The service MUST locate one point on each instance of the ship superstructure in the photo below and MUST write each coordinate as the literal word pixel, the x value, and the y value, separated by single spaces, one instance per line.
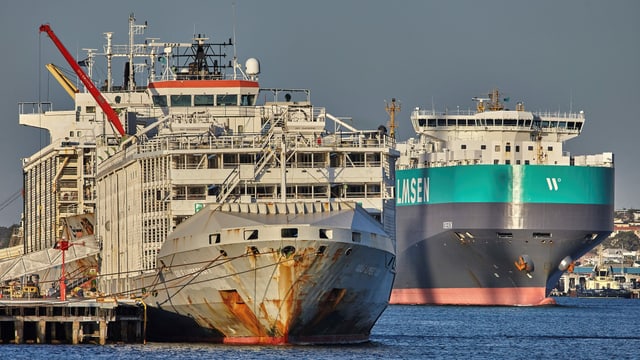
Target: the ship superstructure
pixel 221 195
pixel 491 210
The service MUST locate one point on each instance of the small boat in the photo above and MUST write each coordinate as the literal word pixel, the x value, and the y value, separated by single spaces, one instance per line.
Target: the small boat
pixel 602 283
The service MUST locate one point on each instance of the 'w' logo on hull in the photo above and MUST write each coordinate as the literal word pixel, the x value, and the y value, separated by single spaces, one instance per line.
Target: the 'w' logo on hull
pixel 553 183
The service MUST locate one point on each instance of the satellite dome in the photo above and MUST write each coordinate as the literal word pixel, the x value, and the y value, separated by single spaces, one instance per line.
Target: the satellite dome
pixel 253 66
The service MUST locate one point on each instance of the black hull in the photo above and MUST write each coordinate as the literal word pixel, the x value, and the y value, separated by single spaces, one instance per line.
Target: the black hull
pixel 449 251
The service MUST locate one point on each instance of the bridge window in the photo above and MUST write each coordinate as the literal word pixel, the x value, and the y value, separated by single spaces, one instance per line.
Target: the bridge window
pixel 180 100
pixel 247 100
pixel 489 122
pixel 451 122
pixel 510 122
pixel 431 123
pixel 159 100
pixel 203 100
pixel 442 122
pixel 422 122
pixel 227 100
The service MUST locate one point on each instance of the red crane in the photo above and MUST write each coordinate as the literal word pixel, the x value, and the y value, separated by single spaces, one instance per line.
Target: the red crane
pixel 106 108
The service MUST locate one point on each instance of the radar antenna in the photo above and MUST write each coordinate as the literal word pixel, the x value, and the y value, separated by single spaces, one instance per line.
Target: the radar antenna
pixel 493 100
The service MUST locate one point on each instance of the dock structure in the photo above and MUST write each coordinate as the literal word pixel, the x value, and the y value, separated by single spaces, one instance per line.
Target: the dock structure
pixel 51 321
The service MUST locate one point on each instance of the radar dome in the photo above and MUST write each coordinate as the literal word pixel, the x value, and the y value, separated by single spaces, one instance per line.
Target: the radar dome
pixel 253 66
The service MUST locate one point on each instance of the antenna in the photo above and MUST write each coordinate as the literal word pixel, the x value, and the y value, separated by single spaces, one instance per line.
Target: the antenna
pixel 570 101
pixel 235 58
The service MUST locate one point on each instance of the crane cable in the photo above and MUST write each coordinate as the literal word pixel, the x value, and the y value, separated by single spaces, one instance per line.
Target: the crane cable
pixel 15 196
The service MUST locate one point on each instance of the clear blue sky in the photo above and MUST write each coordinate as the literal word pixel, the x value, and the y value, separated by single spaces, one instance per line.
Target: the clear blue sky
pixel 354 55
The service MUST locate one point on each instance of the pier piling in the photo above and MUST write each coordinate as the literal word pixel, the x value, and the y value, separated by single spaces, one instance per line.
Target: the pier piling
pixel 75 322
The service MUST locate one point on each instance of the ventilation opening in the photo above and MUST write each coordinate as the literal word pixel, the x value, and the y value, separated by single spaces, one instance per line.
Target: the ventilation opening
pixel 214 238
pixel 251 234
pixel 326 234
pixel 289 232
pixel 541 235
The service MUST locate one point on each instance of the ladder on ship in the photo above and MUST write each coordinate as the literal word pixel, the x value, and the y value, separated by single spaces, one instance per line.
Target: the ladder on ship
pixel 268 145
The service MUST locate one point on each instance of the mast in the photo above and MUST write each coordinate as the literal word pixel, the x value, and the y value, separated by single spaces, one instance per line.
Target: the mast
pixel 391 110
pixel 134 50
pixel 109 36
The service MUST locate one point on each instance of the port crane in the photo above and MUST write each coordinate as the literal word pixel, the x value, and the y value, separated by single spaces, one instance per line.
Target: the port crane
pixel 112 116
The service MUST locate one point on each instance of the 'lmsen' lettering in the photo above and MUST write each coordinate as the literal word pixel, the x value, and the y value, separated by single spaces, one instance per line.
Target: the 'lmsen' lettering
pixel 412 191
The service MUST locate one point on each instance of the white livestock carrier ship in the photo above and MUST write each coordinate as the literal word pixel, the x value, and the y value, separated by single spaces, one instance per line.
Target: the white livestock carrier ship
pixel 237 214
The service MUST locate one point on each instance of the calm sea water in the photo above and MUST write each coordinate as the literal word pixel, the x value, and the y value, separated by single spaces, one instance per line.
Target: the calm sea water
pixel 576 329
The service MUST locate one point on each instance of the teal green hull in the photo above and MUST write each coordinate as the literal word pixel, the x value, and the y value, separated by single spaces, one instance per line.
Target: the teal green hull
pixel 505 184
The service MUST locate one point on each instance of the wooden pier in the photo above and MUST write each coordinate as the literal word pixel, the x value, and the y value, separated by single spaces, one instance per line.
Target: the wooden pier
pixel 50 321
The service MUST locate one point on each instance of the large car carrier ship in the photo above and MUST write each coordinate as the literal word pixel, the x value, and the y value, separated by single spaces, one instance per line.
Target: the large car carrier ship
pixel 491 210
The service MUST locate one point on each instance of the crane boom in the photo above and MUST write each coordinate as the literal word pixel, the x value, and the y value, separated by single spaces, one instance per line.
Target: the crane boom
pixel 104 105
pixel 64 81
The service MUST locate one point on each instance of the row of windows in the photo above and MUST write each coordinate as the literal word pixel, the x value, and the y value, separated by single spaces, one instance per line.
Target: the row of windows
pixel 570 125
pixel 204 100
pixel 287 233
pixel 300 160
pixel 507 148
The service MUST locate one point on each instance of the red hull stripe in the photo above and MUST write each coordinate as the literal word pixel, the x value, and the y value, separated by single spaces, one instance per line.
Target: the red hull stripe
pixel 282 340
pixel 255 340
pixel 529 296
pixel 203 84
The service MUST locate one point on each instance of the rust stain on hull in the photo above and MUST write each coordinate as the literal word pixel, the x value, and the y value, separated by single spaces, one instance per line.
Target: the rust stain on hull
pixel 271 297
pixel 236 306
